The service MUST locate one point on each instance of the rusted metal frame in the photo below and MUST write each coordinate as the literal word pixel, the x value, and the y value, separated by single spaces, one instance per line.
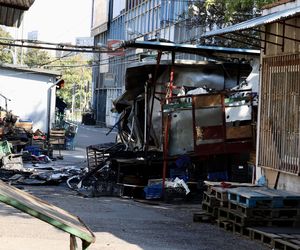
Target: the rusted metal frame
pixel 298 116
pixel 289 88
pixel 263 126
pixel 194 123
pixel 166 132
pixel 286 122
pixel 295 89
pixel 261 131
pixel 240 41
pixel 293 134
pixel 280 132
pixel 158 58
pixel 166 128
pixel 224 116
pixel 274 34
pixel 209 94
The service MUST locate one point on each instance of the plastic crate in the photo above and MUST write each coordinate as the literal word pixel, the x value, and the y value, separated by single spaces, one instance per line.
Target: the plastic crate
pixel 153 191
pixel 70 144
pixel 34 150
pixel 5 148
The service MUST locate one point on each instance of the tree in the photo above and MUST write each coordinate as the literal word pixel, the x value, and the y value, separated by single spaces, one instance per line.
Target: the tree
pixel 5 55
pixel 36 57
pixel 211 14
pixel 76 74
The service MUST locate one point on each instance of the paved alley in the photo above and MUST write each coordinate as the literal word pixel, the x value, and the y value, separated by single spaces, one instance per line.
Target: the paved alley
pixel 119 224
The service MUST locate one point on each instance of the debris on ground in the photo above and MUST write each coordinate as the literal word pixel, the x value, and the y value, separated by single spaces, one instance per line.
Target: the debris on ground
pixel 30 169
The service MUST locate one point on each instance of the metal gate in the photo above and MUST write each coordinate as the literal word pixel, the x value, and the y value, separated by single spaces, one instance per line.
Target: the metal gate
pixel 279 147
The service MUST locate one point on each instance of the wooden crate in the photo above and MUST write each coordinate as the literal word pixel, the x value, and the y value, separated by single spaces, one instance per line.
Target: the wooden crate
pixel 24 125
pixel 57 137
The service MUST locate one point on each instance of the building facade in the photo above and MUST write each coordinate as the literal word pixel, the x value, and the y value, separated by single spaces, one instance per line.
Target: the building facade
pixel 29 93
pixel 114 20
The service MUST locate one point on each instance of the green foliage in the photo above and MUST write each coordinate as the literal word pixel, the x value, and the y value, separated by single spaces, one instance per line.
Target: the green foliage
pixel 76 81
pixel 238 10
pixel 5 55
pixel 213 14
pixel 36 57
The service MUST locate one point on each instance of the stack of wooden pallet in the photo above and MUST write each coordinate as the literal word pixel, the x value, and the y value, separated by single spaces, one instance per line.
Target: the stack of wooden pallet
pixel 252 211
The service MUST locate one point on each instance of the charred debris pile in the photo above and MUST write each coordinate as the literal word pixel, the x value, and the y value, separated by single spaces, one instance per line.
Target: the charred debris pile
pixel 26 156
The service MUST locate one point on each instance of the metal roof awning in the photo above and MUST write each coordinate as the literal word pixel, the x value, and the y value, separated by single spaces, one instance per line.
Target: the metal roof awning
pixel 207 51
pixel 48 213
pixel 258 21
pixel 253 25
pixel 11 11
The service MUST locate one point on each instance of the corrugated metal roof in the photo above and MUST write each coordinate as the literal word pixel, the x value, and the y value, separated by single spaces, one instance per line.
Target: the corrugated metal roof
pixel 209 51
pixel 11 11
pixel 17 4
pixel 33 70
pixel 258 21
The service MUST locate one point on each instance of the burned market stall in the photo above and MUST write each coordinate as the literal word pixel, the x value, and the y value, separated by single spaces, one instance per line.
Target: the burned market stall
pixel 182 122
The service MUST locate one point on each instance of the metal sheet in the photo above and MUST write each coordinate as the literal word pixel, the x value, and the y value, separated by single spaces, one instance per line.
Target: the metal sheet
pixel 258 21
pixel 189 48
pixel 208 117
pixel 181 132
pixel 239 113
pixel 11 11
pixel 18 4
pixel 44 211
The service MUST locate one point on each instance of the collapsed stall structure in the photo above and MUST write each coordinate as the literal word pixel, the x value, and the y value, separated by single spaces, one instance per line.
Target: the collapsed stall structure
pixel 186 118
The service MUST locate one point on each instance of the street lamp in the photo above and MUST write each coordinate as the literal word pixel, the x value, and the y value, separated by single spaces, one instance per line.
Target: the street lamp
pixel 13 53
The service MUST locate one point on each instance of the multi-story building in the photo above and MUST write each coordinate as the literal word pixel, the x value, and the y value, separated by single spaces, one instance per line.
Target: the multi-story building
pixel 125 20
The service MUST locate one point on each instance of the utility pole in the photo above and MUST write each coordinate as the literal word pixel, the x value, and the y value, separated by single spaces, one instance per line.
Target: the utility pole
pixel 73 100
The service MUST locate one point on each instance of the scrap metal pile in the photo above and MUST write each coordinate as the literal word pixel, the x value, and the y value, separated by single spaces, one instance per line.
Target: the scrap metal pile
pixel 28 169
pixel 26 157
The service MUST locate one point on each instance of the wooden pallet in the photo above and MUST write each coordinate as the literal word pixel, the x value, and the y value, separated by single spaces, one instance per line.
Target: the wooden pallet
pixel 203 217
pixel 263 198
pixel 277 238
pixel 244 221
pixel 209 209
pixel 210 200
pixel 57 137
pixel 262 213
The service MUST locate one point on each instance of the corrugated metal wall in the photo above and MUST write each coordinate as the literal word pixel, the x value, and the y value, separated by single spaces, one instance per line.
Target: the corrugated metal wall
pixel 279 147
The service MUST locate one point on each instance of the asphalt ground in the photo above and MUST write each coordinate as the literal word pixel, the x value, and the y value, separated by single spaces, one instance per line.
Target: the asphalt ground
pixel 118 224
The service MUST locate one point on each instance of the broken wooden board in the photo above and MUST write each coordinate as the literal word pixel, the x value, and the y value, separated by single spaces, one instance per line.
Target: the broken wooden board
pixel 46 212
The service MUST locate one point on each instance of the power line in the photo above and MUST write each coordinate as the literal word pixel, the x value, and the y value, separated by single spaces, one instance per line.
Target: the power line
pixel 59 47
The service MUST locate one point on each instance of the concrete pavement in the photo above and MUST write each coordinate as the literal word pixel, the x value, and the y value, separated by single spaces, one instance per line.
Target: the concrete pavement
pixel 86 136
pixel 119 224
